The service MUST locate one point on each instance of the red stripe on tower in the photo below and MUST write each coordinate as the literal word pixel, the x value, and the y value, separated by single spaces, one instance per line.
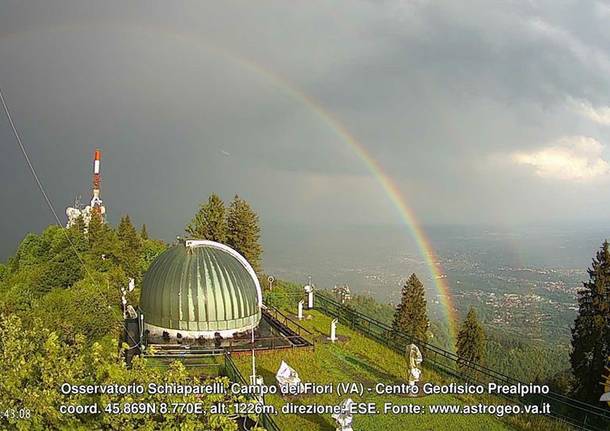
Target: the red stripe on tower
pixel 96 169
pixel 96 161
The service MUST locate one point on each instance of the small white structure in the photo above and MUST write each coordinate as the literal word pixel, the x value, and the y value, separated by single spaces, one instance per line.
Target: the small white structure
pixel 309 291
pixel 288 380
pixel 333 330
pixel 343 293
pixel 73 213
pixel 605 397
pixel 344 419
pixel 131 312
pixel 415 359
pixel 259 382
pixel 130 288
pixel 300 310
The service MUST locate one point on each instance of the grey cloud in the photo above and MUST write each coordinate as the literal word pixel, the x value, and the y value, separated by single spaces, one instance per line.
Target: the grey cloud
pixel 432 90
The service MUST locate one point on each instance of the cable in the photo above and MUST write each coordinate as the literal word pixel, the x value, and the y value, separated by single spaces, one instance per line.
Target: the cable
pixel 40 186
pixel 46 197
pixel 25 154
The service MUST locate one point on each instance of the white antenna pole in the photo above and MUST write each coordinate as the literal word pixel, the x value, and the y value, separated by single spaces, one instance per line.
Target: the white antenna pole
pixel 333 330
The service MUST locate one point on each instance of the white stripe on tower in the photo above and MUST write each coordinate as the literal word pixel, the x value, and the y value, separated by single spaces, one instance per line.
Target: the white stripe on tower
pixel 96 167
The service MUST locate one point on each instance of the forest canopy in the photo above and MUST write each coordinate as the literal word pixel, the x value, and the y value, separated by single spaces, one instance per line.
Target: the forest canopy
pixel 61 322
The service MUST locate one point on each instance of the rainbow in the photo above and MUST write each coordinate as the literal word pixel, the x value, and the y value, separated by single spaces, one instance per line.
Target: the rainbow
pixel 390 188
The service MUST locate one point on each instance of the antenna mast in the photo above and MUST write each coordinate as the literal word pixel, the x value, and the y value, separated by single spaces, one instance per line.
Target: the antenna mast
pixel 96 203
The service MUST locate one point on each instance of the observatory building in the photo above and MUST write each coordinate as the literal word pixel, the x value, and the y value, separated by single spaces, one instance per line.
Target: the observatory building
pixel 200 289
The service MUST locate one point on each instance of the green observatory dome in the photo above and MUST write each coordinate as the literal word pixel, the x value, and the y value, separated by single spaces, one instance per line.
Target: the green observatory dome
pixel 198 288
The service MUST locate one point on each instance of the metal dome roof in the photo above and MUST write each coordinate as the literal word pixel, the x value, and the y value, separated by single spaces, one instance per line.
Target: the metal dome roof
pixel 198 288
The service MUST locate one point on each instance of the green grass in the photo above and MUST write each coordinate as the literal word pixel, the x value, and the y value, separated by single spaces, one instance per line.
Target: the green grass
pixel 361 360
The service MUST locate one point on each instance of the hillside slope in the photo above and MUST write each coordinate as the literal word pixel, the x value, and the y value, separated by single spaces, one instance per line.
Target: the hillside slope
pixel 358 359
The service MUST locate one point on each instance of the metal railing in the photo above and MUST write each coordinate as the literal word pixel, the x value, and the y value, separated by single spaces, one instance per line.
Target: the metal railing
pixel 235 375
pixel 573 412
pixel 229 345
pixel 285 320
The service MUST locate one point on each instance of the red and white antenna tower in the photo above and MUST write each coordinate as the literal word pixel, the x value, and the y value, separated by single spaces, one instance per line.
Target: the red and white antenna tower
pixel 96 202
pixel 96 207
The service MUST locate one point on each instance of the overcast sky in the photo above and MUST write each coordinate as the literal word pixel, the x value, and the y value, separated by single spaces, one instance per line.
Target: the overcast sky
pixel 493 112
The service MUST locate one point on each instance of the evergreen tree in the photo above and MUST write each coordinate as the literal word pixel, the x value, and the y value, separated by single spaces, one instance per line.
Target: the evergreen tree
pixel 151 249
pixel 131 247
pixel 62 271
pixel 61 265
pixel 77 233
pixel 210 221
pixel 144 233
pixel 410 316
pixel 128 235
pixel 591 332
pixel 79 225
pixel 244 232
pixel 95 229
pixel 470 344
pixel 104 245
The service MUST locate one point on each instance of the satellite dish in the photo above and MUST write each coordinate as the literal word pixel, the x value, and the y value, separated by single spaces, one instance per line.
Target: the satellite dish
pixel 605 397
pixel 132 284
pixel 344 418
pixel 288 379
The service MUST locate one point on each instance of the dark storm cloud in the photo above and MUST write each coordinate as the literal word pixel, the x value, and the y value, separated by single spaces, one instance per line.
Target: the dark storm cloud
pixel 206 97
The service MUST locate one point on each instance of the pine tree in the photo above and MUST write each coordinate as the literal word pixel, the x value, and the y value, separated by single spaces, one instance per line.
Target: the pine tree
pixel 244 232
pixel 470 343
pixel 131 247
pixel 104 245
pixel 95 228
pixel 144 233
pixel 63 267
pixel 210 222
pixel 591 332
pixel 78 235
pixel 79 225
pixel 127 234
pixel 410 317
